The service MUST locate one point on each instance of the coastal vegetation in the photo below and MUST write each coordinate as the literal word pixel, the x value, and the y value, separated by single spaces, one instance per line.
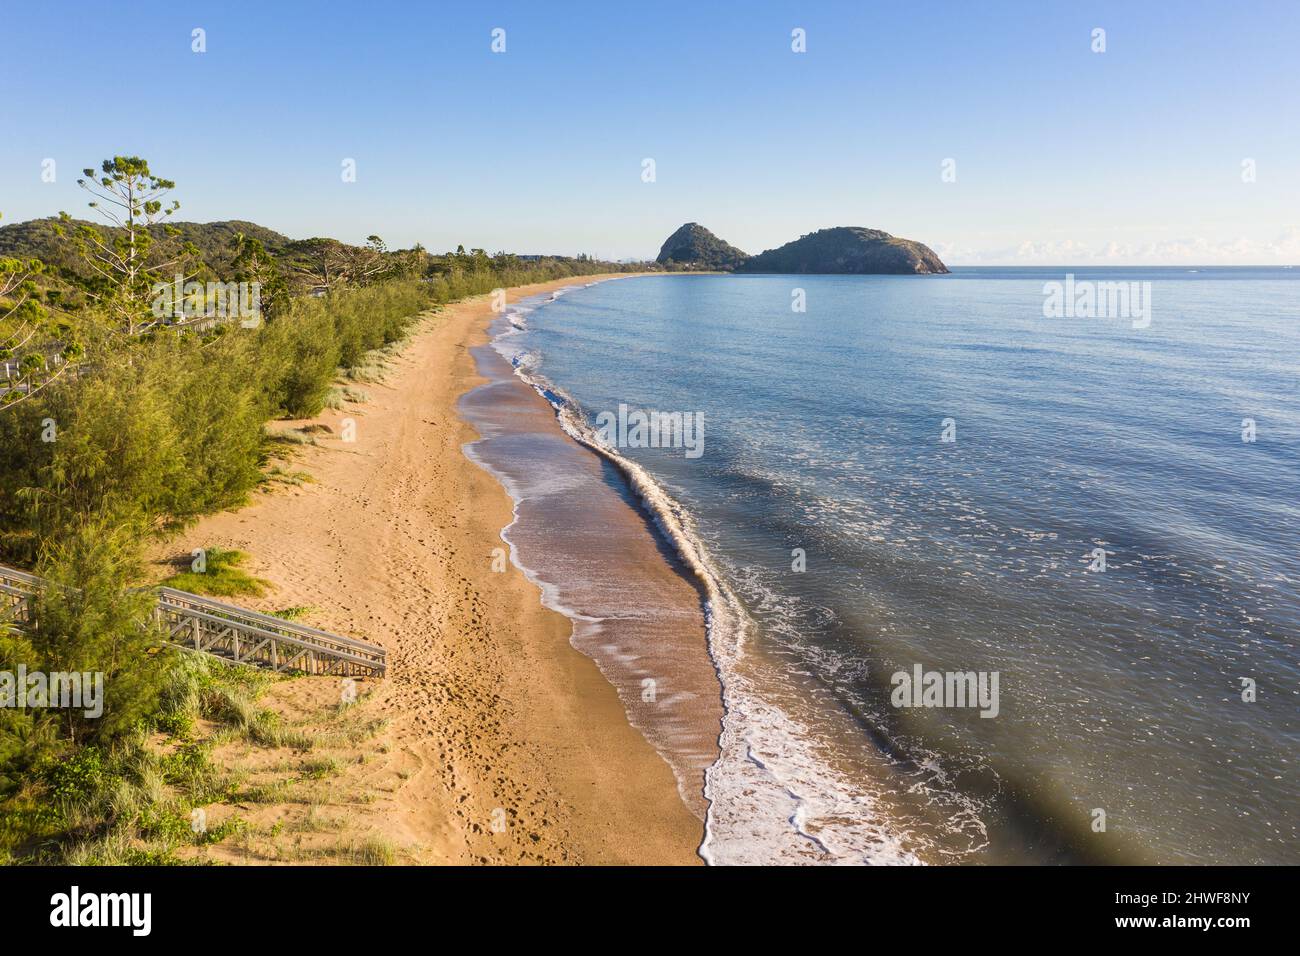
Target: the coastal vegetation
pixel 167 791
pixel 120 424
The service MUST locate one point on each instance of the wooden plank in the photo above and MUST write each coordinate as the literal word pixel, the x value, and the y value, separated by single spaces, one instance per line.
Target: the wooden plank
pixel 267 621
pixel 230 632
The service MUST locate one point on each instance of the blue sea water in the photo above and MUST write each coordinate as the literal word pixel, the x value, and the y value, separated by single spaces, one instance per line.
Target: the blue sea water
pixel 1147 711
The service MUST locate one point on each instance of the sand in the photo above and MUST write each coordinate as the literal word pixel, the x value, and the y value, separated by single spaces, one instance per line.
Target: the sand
pixel 490 716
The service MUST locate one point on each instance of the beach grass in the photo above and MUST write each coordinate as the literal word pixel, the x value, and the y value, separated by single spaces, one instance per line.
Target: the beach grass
pixel 223 577
pixel 177 787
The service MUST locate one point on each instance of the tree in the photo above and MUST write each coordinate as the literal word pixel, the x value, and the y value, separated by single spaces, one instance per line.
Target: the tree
pixel 326 264
pixel 370 263
pixel 89 620
pixel 29 346
pixel 413 263
pixel 331 264
pixel 252 263
pixel 125 264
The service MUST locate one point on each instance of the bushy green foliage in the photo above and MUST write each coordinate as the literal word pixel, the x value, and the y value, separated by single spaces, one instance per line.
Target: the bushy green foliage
pixel 35 344
pixel 299 357
pixel 372 317
pixel 26 736
pixel 166 432
pixel 128 800
pixel 88 620
pixel 78 776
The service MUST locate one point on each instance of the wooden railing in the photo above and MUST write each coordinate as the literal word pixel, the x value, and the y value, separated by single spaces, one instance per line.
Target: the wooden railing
pixel 197 623
pixel 15 589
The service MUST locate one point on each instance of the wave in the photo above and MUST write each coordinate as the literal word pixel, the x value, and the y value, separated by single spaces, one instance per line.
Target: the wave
pixel 771 798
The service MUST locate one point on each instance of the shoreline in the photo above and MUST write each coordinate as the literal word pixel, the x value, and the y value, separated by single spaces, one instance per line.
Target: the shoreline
pixel 586 533
pixel 491 714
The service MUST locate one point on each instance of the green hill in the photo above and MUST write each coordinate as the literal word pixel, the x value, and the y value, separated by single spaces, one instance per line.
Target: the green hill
pixel 37 239
pixel 695 247
pixel 848 250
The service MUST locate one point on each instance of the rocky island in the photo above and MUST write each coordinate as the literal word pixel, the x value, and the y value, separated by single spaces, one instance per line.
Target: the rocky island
pixel 842 250
pixel 695 247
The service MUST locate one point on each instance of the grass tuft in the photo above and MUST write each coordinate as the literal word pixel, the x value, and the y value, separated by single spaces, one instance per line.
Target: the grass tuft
pixel 223 577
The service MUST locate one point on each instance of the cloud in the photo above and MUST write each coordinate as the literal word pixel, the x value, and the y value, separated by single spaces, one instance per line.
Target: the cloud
pixel 1283 249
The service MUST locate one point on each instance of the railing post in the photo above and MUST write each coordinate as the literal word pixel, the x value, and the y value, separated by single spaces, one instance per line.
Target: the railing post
pixel 322 653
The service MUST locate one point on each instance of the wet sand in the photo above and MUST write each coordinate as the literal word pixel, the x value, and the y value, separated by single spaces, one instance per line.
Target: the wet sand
pixel 586 541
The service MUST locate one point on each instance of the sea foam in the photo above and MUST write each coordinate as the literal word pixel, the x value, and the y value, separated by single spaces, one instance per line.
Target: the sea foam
pixel 771 798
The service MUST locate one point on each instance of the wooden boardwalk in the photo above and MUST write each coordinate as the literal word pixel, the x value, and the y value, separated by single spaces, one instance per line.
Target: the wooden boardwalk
pixel 196 623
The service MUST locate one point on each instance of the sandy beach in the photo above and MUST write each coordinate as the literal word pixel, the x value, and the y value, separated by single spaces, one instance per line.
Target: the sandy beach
pixel 499 742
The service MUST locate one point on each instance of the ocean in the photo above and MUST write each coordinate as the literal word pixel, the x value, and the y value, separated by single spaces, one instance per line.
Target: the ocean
pixel 865 483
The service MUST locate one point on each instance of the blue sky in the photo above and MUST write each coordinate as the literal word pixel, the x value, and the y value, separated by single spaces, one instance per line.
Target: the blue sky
pixel 1062 155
